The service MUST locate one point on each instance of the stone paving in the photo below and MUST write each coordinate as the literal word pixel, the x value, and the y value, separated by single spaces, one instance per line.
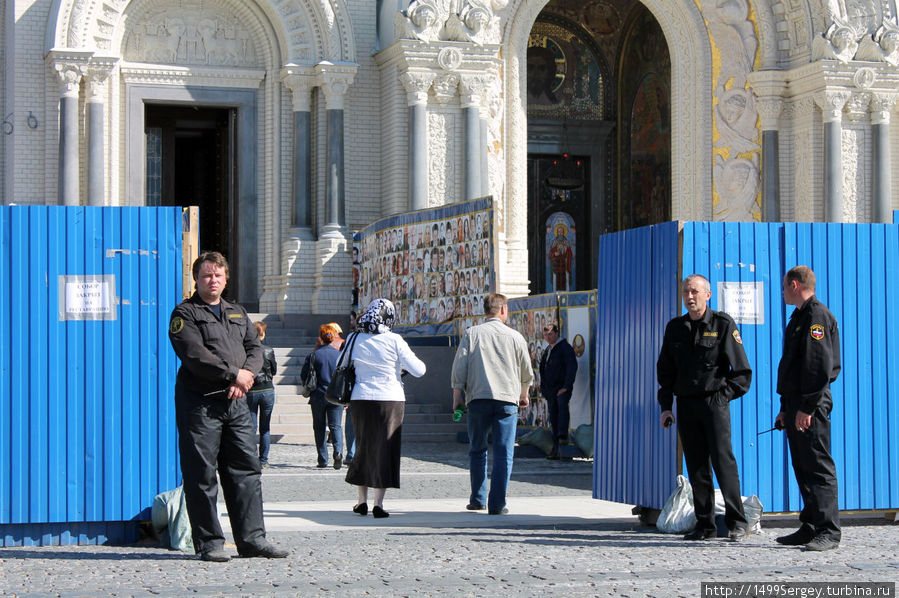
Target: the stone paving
pixel 556 541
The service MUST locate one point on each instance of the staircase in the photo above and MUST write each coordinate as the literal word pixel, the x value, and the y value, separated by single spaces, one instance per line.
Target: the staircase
pixel 292 341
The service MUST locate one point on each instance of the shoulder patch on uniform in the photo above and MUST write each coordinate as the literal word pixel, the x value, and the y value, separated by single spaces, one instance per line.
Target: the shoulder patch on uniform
pixel 737 336
pixel 816 332
pixel 176 325
pixel 235 316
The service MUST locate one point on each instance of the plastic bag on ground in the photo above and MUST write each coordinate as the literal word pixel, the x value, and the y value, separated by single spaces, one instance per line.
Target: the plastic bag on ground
pixel 583 439
pixel 170 521
pixel 539 437
pixel 678 516
pixel 753 509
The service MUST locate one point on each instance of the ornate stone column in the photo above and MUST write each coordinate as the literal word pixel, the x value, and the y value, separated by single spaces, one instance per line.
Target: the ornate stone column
pixel 96 86
pixel 881 105
pixel 69 74
pixel 335 81
pixel 831 104
pixel 301 81
pixel 417 85
pixel 769 89
pixel 333 247
pixel 299 261
pixel 472 90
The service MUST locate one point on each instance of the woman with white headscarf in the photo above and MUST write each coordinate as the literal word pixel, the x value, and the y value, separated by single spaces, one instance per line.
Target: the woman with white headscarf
pixel 377 404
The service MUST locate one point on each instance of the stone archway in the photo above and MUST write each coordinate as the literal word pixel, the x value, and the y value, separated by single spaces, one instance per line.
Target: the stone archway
pixel 689 47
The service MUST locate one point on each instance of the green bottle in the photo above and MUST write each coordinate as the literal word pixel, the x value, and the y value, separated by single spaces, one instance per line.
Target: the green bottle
pixel 457 414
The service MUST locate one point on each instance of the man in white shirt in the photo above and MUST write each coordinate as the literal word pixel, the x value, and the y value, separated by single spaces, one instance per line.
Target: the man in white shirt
pixel 491 376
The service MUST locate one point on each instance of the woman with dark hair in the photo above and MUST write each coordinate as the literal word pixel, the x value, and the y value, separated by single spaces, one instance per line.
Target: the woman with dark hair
pixel 377 404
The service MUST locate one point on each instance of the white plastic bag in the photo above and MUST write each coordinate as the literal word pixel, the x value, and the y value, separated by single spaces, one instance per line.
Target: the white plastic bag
pixel 753 508
pixel 678 516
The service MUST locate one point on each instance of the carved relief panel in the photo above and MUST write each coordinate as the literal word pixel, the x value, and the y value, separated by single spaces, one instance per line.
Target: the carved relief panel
pixel 202 34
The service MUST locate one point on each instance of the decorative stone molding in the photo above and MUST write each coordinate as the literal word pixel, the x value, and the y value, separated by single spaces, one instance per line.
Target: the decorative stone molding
pixel 831 104
pixel 445 87
pixel 881 106
pixel 449 59
pixel 472 21
pixel 839 42
pixel 473 88
pixel 857 105
pixel 417 85
pixel 770 110
pixel 300 80
pixel 98 71
pixel 69 75
pixel 312 29
pixel 864 78
pixel 199 76
pixel 335 80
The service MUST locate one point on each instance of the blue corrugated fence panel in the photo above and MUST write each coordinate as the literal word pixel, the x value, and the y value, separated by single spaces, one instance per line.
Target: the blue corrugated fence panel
pixel 634 458
pixel 88 425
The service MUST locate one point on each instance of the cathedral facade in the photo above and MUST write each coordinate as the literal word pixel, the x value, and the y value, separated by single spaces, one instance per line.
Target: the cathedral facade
pixel 292 123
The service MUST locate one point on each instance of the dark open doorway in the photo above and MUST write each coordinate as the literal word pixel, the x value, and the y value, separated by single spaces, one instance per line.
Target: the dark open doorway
pixel 559 223
pixel 191 162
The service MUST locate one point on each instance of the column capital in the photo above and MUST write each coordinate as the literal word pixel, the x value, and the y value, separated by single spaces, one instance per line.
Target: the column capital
pixel 881 106
pixel 335 79
pixel 417 85
pixel 97 75
pixel 831 104
pixel 857 105
pixel 300 80
pixel 445 87
pixel 769 110
pixel 69 66
pixel 473 88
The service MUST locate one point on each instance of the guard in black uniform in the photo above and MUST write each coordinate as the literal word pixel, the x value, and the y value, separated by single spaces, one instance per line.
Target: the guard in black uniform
pixel 220 355
pixel 702 362
pixel 810 362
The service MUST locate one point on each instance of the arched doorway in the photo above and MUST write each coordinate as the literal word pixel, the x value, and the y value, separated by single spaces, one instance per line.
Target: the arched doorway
pixel 599 134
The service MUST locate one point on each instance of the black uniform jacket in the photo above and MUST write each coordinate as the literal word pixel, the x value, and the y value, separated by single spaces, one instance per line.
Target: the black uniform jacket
pixel 212 350
pixel 558 368
pixel 702 359
pixel 811 357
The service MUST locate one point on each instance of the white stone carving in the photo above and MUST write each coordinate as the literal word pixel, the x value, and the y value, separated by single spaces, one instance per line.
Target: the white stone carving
pixel 804 168
pixel 831 104
pixel 737 184
pixel 857 106
pixel 442 153
pixel 449 59
pixel 475 23
pixel 736 118
pixel 191 36
pixel 69 75
pixel 881 106
pixel 417 85
pixel 839 42
pixel 853 175
pixel 883 46
pixel 97 77
pixel 864 78
pixel 734 34
pixel 335 81
pixel 445 87
pixel 423 20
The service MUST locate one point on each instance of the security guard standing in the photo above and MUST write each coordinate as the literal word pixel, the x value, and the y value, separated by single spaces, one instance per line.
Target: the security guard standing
pixel 220 354
pixel 702 362
pixel 810 362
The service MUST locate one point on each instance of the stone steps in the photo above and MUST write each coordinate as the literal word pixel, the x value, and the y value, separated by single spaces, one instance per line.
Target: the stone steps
pixel 293 338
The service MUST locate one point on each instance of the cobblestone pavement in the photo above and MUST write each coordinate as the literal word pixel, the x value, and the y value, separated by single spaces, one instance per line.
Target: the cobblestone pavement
pixel 507 556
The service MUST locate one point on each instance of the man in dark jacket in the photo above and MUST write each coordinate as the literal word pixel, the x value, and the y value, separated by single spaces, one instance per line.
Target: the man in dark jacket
pixel 702 362
pixel 220 355
pixel 810 362
pixel 558 368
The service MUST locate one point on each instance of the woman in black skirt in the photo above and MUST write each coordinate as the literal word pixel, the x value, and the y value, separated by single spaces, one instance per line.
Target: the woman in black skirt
pixel 378 403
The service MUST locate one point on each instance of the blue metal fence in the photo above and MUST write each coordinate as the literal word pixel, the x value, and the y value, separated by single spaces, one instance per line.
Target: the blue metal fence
pixel 86 412
pixel 857 267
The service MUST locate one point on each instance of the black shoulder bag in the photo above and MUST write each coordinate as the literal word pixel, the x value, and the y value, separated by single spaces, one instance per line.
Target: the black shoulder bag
pixel 344 376
pixel 310 382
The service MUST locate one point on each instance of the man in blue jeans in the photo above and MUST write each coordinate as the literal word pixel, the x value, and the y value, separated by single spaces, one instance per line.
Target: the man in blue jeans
pixel 491 376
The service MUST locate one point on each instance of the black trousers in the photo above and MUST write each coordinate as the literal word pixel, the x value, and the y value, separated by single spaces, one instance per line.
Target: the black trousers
pixel 218 434
pixel 816 473
pixel 704 428
pixel 559 414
